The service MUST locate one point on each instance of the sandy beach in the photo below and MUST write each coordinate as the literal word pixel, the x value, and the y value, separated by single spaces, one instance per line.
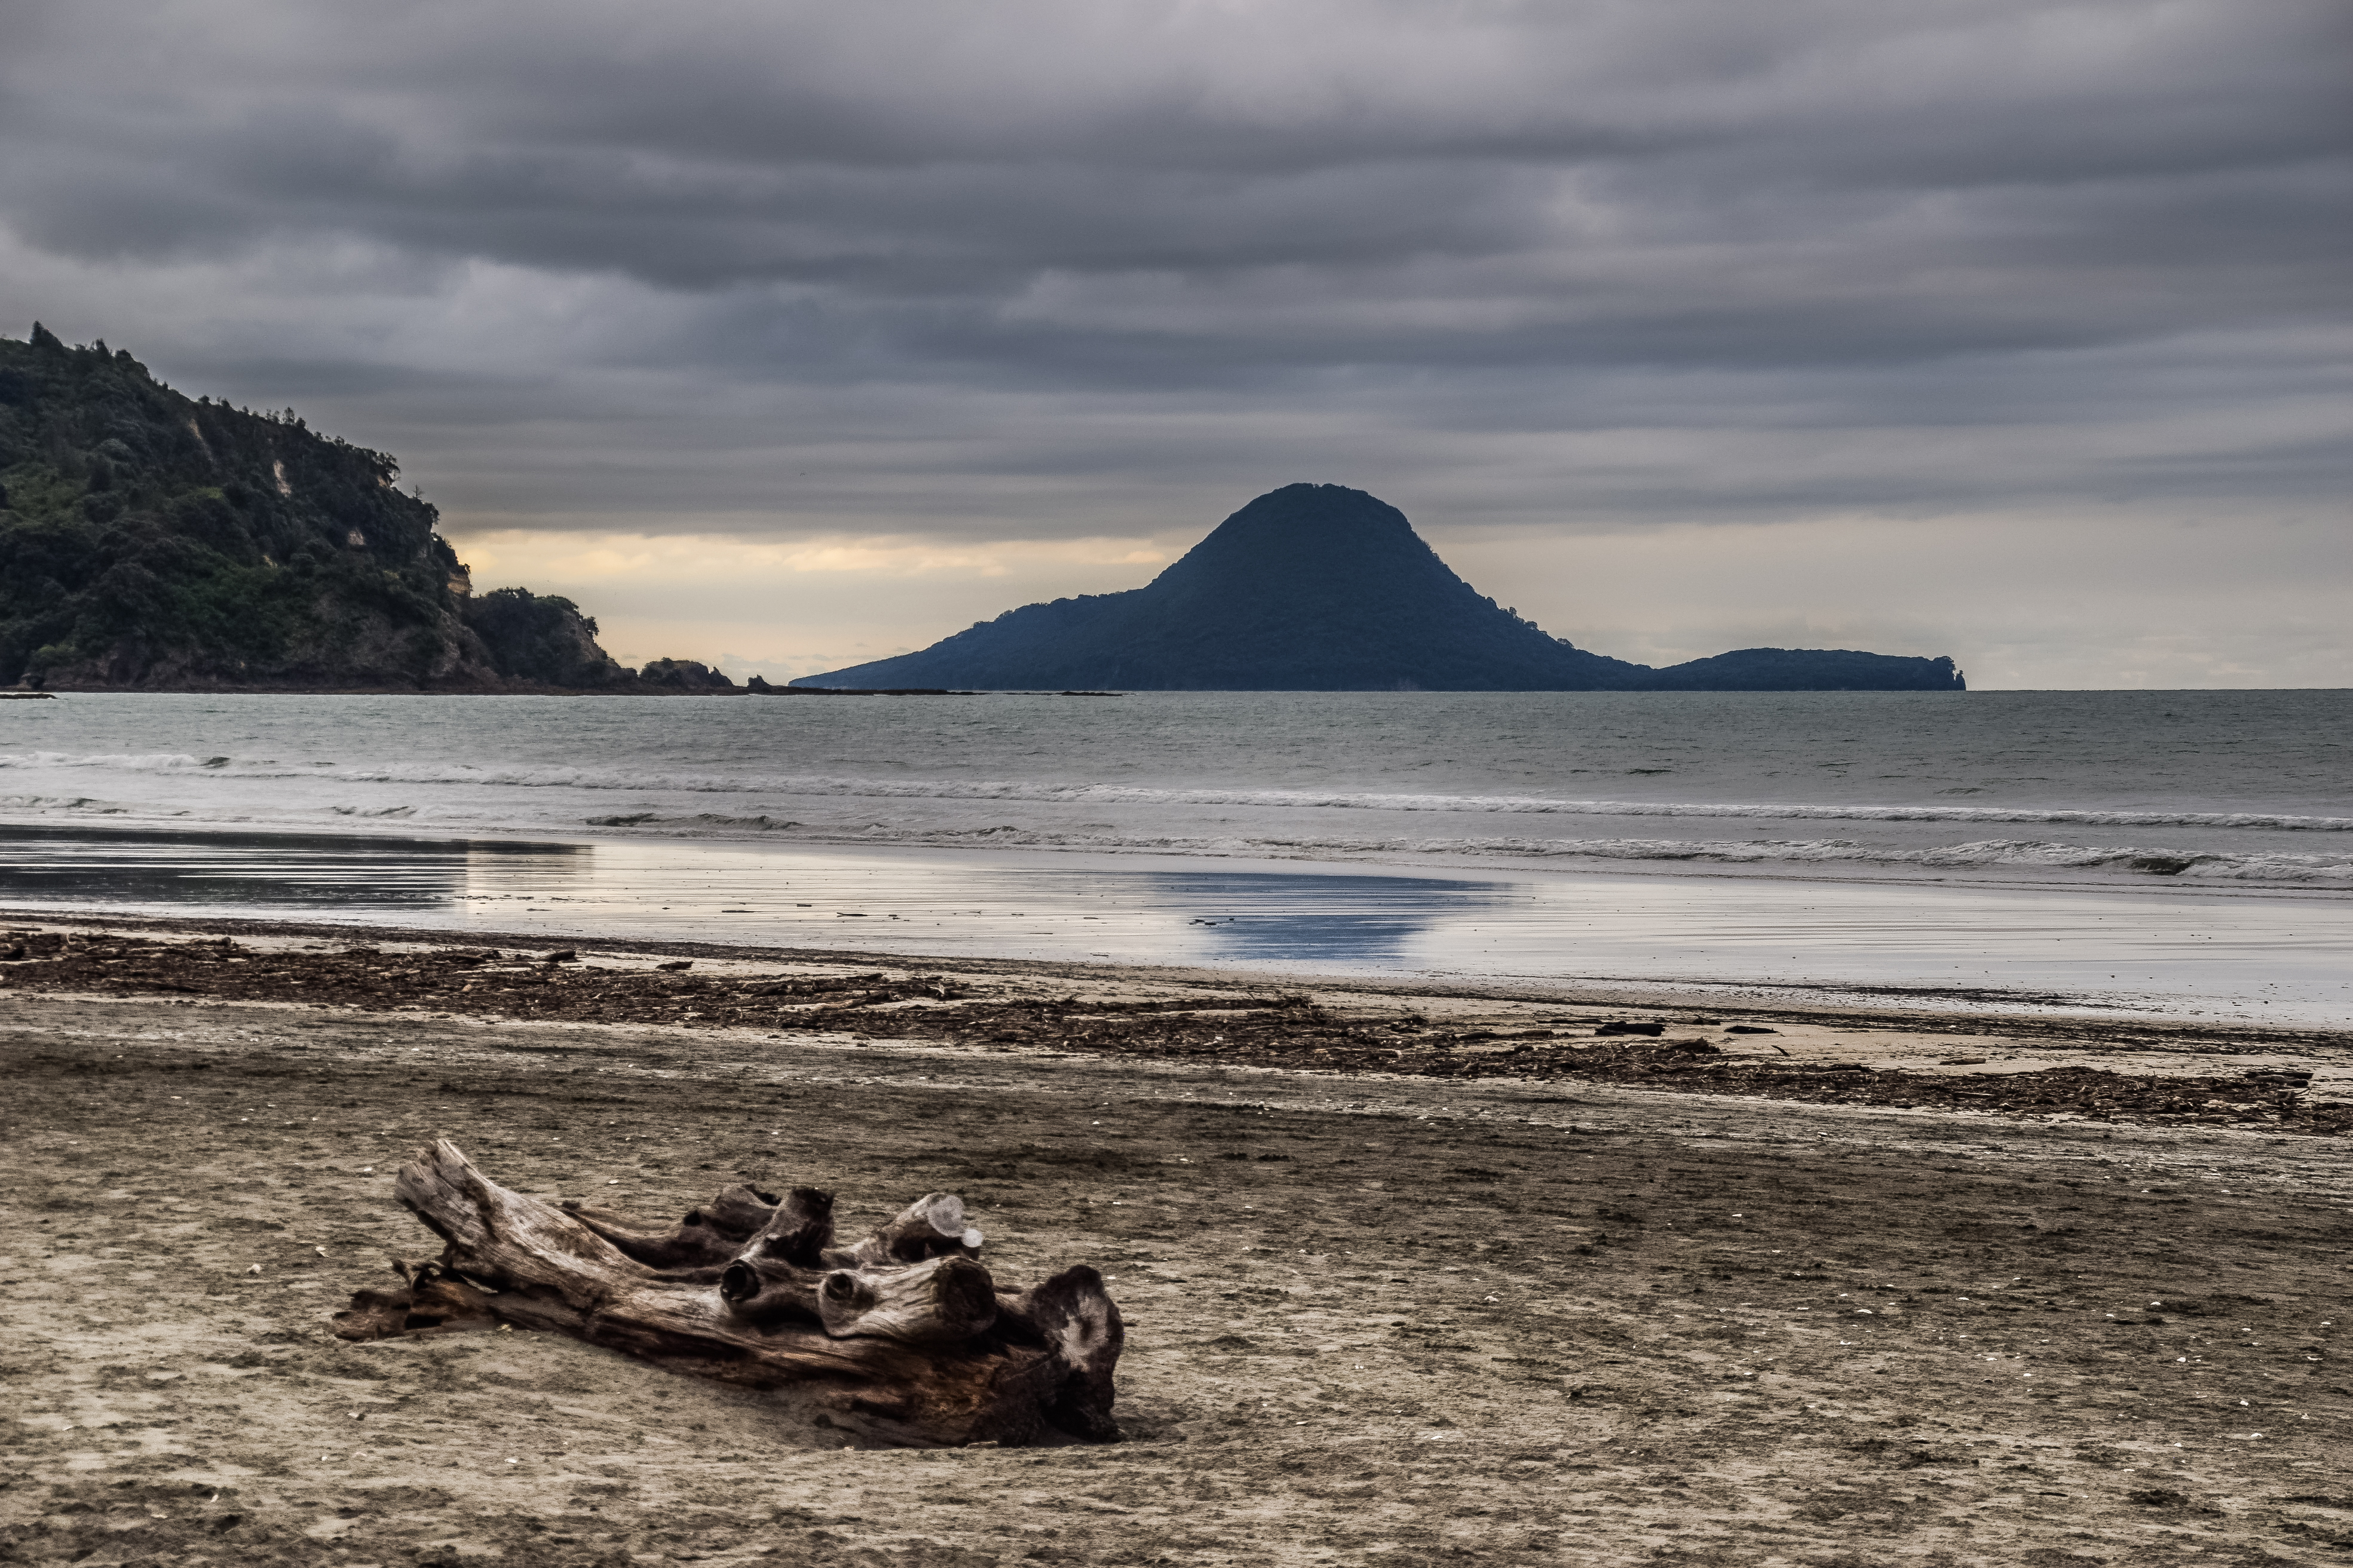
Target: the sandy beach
pixel 1374 1314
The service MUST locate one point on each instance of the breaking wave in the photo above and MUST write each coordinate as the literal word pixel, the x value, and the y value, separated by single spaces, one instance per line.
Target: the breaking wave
pixel 2331 871
pixel 820 786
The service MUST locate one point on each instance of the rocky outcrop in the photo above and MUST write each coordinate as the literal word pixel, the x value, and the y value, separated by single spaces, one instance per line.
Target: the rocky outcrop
pixel 544 639
pixel 684 677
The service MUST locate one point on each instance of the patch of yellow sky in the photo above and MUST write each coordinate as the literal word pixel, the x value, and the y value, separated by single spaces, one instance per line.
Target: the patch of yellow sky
pixel 787 607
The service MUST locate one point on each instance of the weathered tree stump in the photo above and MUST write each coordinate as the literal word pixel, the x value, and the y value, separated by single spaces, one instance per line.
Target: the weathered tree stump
pixel 901 1336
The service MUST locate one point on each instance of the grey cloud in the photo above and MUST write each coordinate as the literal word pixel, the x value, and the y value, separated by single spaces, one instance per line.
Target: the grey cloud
pixel 958 147
pixel 1056 269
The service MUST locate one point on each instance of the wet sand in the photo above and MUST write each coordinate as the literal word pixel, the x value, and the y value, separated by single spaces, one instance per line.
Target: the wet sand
pixel 1375 1316
pixel 2116 946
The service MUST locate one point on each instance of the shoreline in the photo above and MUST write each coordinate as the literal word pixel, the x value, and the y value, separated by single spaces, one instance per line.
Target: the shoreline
pixel 1973 1062
pixel 1727 938
pixel 1789 1000
pixel 1427 865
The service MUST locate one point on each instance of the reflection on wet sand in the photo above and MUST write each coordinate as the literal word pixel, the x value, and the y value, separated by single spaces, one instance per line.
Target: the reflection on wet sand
pixel 252 873
pixel 716 893
pixel 2245 956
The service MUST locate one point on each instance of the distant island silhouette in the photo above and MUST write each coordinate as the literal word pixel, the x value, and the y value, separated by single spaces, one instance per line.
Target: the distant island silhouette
pixel 1323 588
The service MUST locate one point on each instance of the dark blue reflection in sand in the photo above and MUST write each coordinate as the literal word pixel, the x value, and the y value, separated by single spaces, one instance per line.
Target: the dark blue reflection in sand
pixel 724 894
pixel 1270 917
pixel 247 872
pixel 2241 957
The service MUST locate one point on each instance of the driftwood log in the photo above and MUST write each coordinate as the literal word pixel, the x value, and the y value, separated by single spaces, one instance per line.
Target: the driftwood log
pixel 900 1335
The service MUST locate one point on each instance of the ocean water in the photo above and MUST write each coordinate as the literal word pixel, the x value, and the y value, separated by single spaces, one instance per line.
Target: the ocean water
pixel 2223 787
pixel 2168 849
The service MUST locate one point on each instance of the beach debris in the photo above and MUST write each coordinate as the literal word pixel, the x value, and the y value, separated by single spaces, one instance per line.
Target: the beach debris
pixel 902 1335
pixel 1237 1026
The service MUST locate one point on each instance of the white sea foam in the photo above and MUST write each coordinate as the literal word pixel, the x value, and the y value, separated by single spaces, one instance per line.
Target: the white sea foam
pixel 1058 793
pixel 2330 870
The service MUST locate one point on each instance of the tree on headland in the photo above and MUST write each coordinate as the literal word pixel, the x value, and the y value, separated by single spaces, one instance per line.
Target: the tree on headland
pixel 149 540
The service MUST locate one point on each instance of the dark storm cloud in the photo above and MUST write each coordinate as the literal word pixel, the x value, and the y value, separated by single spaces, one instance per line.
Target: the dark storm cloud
pixel 613 230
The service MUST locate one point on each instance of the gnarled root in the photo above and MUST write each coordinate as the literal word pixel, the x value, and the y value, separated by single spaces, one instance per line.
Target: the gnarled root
pixel 904 1337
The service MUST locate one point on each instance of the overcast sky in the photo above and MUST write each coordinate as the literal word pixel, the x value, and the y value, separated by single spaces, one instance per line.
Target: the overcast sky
pixel 797 334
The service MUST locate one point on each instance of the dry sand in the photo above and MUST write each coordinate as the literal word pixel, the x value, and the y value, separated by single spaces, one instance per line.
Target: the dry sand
pixel 1372 1319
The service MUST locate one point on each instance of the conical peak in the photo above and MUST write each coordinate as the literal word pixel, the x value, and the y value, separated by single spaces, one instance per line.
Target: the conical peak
pixel 1322 588
pixel 1321 541
pixel 1318 514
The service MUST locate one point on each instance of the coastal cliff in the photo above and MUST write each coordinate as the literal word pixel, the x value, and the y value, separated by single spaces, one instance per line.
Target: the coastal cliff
pixel 152 542
pixel 1323 588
